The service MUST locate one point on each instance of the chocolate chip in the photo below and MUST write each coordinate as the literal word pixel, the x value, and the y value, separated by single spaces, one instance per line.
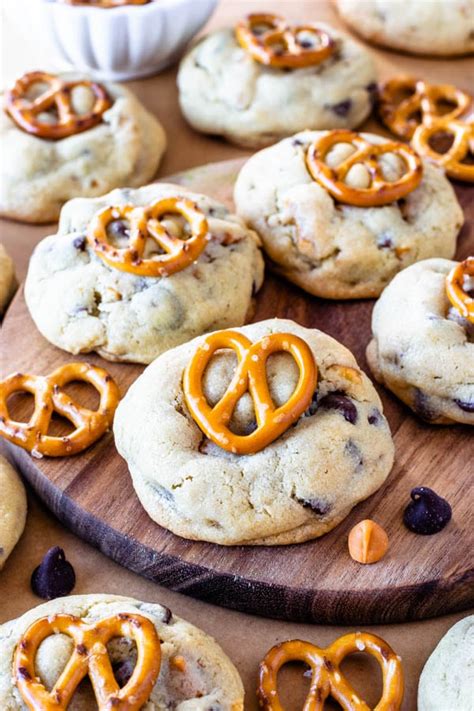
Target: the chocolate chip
pixel 384 241
pixel 79 243
pixel 118 228
pixel 306 44
pixel 374 417
pixel 319 506
pixel 372 91
pixel 313 406
pixel 342 108
pixel 123 671
pixel 24 673
pixel 427 513
pixel 339 401
pixel 464 405
pixel 167 615
pixel 296 142
pixel 55 576
pixel 423 407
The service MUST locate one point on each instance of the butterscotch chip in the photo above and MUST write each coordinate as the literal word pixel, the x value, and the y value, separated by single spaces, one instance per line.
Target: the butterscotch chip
pixel 367 542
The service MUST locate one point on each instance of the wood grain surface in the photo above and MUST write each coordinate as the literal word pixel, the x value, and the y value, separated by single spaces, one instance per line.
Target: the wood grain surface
pixel 316 581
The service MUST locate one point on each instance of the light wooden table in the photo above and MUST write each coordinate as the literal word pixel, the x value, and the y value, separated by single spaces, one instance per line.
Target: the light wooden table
pixel 244 638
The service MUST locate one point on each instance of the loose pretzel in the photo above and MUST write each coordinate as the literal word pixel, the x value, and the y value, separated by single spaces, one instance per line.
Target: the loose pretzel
pixel 425 99
pixel 90 424
pixel 279 45
pixel 25 111
pixel 381 191
pixel 250 375
pixel 455 291
pixel 327 679
pixel 89 658
pixel 145 223
pixel 463 143
pixel 106 3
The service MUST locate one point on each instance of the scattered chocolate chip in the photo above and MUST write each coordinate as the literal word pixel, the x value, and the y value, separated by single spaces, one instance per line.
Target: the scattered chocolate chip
pixel 55 576
pixel 466 406
pixel 342 108
pixel 372 91
pixel 167 615
pixel 423 407
pixel 306 44
pixel 427 513
pixel 123 671
pixel 338 401
pixel 313 405
pixel 118 228
pixel 319 506
pixel 79 243
pixel 384 241
pixel 374 417
pixel 296 142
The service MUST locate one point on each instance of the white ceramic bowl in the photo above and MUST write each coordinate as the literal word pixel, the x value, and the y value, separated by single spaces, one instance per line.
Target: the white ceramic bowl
pixel 124 42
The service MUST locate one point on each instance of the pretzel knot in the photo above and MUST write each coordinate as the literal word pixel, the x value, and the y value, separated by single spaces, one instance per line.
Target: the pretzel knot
pixel 458 295
pixel 89 425
pixel 326 677
pixel 270 40
pixel 144 223
pixel 380 190
pixel 423 105
pixel 57 96
pixel 461 134
pixel 89 658
pixel 250 375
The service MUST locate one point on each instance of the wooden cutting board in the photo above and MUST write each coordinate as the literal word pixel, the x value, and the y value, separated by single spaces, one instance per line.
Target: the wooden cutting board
pixel 421 576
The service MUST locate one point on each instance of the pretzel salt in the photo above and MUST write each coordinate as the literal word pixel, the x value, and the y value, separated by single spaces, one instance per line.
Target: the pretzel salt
pixel 380 190
pixel 89 425
pixel 25 111
pixel 145 223
pixel 326 676
pixel 455 290
pixel 422 106
pixel 280 45
pixel 250 376
pixel 89 658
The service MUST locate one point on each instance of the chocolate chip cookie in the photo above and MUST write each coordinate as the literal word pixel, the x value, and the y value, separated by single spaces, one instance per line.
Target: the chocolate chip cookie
pixel 12 509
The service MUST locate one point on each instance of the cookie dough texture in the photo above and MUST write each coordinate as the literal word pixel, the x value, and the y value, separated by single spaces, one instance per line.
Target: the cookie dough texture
pixel 209 681
pixel 7 279
pixel 297 488
pixel 38 176
pixel 80 304
pixel 224 91
pixel 421 348
pixel 12 510
pixel 447 680
pixel 436 27
pixel 334 250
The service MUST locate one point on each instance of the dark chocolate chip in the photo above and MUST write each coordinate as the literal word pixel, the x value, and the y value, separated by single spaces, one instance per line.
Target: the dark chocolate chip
pixel 464 405
pixel 372 91
pixel 123 671
pixel 306 44
pixel 374 417
pixel 384 241
pixel 423 407
pixel 296 142
pixel 55 576
pixel 427 513
pixel 338 401
pixel 167 615
pixel 313 405
pixel 319 506
pixel 79 243
pixel 118 228
pixel 342 108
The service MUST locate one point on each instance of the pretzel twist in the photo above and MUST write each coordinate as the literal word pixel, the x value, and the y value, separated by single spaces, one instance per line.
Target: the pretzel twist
pixel 380 191
pixel 90 425
pixel 106 3
pixel 144 224
pixel 425 100
pixel 327 678
pixel 455 290
pixel 462 134
pixel 25 111
pixel 279 46
pixel 250 375
pixel 89 658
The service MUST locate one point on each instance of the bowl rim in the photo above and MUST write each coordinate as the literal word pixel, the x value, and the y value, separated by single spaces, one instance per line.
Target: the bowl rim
pixel 150 7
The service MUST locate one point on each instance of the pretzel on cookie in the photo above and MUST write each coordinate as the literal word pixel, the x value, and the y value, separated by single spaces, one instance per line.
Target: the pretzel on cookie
pixel 452 160
pixel 250 376
pixel 58 96
pixel 89 658
pixel 380 190
pixel 89 425
pixel 145 223
pixel 326 676
pixel 455 290
pixel 270 40
pixel 422 106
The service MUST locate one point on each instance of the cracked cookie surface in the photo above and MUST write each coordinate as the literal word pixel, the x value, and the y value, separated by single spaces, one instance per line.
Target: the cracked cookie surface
pixel 422 348
pixel 436 27
pixel 38 176
pixel 12 509
pixel 205 679
pixel 127 317
pixel 334 250
pixel 224 91
pixel 297 488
